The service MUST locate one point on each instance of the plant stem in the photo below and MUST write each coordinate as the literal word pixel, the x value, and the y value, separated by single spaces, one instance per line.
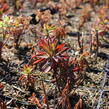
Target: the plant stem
pixel 45 95
pixel 97 48
pixel 1 45
pixel 91 44
pixel 79 43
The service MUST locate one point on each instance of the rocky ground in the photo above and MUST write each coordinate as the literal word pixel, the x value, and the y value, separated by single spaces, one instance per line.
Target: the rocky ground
pixel 95 86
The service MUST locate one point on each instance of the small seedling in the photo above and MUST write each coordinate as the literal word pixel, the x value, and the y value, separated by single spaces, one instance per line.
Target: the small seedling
pixel 27 78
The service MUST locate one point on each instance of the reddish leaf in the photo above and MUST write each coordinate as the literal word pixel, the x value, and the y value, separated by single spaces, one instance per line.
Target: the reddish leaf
pixel 5 7
pixel 3 105
pixel 45 99
pixel 34 56
pixel 45 46
pixel 63 50
pixel 38 61
pixel 76 69
pixel 79 104
pixel 1 86
pixel 65 92
pixel 40 53
pixel 22 77
pixel 33 99
pixel 60 47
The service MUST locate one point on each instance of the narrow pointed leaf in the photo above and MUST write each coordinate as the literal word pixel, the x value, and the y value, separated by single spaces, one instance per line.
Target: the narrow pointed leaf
pixel 38 61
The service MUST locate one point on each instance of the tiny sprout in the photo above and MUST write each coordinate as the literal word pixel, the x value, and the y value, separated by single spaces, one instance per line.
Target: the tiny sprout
pixel 27 69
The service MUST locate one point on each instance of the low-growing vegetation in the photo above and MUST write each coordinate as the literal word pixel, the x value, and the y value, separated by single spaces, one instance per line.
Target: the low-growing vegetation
pixel 54 54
